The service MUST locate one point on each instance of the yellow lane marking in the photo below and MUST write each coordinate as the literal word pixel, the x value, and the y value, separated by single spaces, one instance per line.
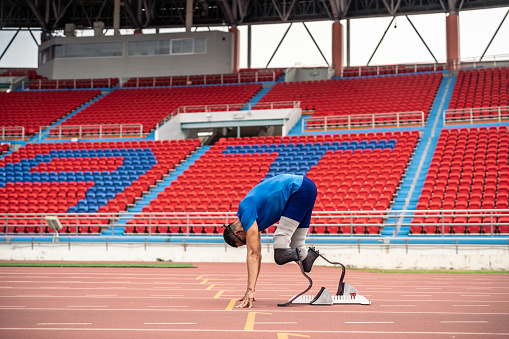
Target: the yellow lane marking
pixel 210 287
pixel 198 278
pixel 286 335
pixel 204 281
pixel 231 305
pixel 251 320
pixel 220 293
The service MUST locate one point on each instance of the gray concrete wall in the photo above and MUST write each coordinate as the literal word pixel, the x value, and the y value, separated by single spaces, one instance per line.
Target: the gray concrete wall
pixel 481 257
pixel 218 58
pixel 176 127
pixel 308 74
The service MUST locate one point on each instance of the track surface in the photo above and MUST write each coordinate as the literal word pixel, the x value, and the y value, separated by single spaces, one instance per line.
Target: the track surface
pixel 197 302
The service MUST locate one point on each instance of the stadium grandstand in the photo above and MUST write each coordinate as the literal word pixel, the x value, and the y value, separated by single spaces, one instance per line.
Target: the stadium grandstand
pixel 155 147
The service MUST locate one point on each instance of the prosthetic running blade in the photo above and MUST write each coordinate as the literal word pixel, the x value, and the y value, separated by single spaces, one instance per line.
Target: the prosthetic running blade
pixel 346 293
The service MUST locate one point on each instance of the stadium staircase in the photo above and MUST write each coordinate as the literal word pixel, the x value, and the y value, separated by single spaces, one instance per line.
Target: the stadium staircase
pixel 257 97
pixel 45 134
pixel 414 179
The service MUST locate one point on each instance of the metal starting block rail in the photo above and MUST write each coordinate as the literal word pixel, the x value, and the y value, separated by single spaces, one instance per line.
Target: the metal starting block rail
pixel 346 293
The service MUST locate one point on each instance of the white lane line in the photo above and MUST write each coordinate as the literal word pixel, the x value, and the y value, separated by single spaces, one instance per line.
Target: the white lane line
pixel 167 296
pixel 169 323
pixel 5 306
pixel 328 311
pixel 369 322
pixel 399 305
pixel 473 305
pixel 64 323
pixel 87 306
pixel 242 332
pixel 274 322
pixel 416 295
pixel 462 321
pixel 168 306
pixel 101 295
pixel 474 295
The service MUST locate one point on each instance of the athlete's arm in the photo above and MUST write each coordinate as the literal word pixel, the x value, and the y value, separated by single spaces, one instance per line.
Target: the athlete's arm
pixel 260 256
pixel 253 260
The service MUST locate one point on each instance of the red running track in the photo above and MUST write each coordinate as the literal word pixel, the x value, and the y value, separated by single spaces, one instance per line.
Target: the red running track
pixel 197 302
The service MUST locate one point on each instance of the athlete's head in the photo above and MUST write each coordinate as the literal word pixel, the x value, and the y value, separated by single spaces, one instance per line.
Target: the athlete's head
pixel 234 234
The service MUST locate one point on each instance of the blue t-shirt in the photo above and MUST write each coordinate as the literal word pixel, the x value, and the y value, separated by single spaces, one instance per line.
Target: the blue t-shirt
pixel 266 201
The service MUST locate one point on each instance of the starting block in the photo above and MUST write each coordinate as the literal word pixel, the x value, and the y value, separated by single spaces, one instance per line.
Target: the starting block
pixel 346 294
pixel 325 298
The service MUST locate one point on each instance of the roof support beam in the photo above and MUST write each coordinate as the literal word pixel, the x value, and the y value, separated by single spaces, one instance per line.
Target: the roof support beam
pixel 132 16
pixel 383 36
pixel 232 21
pixel 242 9
pixel 149 11
pixel 280 42
pixel 281 15
pixel 37 14
pixel 33 37
pixel 100 10
pixel 420 37
pixel 392 8
pixel 339 8
pixel 7 18
pixel 290 9
pixel 9 44
pixel 318 47
pixel 493 37
pixel 284 13
pixel 61 14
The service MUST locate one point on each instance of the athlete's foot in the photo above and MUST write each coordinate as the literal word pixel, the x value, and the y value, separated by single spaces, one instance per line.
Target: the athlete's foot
pixel 285 255
pixel 307 263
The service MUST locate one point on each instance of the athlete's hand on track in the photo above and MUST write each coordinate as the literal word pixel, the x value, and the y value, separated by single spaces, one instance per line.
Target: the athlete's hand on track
pixel 247 300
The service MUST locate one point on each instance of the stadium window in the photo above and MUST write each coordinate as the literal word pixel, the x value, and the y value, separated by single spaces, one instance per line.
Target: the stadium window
pixel 188 46
pixel 94 50
pixel 46 55
pixel 155 47
pixel 59 51
pixel 200 46
pixel 164 47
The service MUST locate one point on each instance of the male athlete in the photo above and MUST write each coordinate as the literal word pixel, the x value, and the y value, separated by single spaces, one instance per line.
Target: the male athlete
pixel 288 199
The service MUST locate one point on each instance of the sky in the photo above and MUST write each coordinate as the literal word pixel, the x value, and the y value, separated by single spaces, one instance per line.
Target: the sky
pixel 400 45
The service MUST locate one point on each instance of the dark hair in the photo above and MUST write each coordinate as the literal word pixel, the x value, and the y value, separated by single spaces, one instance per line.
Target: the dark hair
pixel 229 236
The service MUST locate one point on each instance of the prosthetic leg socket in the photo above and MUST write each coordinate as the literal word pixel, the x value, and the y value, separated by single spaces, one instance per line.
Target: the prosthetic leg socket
pixel 307 263
pixel 285 255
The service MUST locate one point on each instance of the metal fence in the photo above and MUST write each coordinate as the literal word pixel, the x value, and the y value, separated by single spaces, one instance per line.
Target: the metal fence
pixel 373 120
pixel 204 79
pixel 93 131
pixel 334 223
pixel 391 69
pixel 70 83
pixel 477 114
pixel 12 133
